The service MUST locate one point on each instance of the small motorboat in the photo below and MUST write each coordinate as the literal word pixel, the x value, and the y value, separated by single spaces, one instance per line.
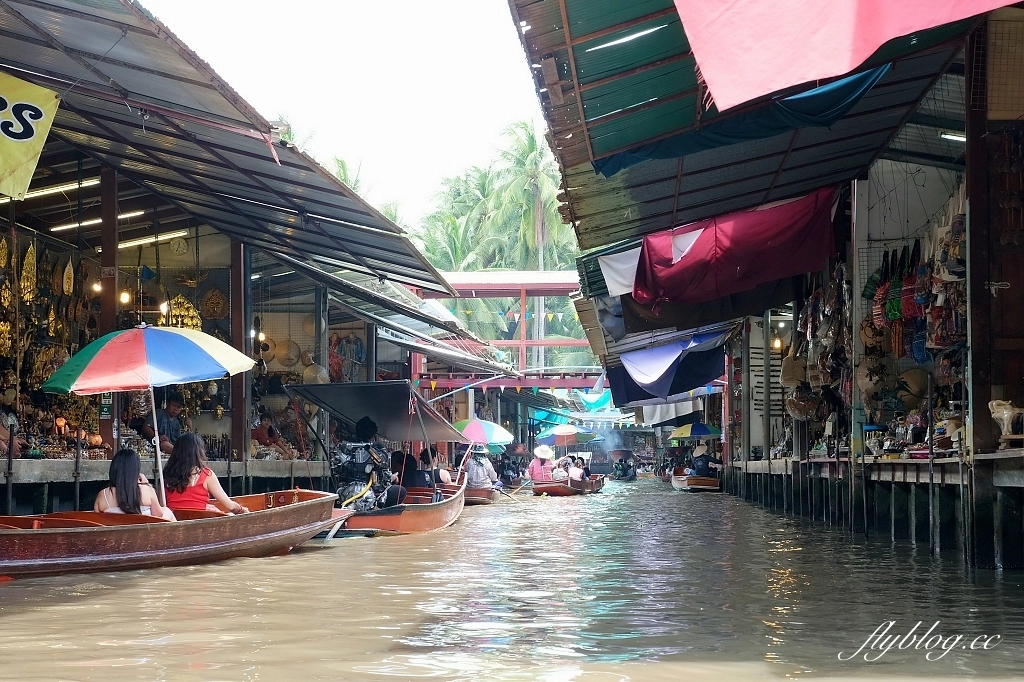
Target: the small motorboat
pixel 682 481
pixel 80 542
pixel 567 487
pixel 393 406
pixel 419 513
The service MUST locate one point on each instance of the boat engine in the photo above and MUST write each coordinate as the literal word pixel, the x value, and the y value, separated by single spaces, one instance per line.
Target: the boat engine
pixel 354 465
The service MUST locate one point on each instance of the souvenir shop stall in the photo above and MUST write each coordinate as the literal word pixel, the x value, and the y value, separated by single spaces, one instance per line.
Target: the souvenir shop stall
pixel 913 330
pixel 49 309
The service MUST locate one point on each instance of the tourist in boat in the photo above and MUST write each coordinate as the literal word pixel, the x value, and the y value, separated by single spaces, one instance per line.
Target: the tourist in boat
pixel 702 461
pixel 169 423
pixel 431 461
pixel 582 464
pixel 190 483
pixel 574 470
pixel 422 476
pixel 479 470
pixel 541 466
pixel 129 492
pixel 561 471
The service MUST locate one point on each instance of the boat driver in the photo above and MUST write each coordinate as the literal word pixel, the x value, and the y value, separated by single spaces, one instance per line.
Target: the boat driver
pixel 702 461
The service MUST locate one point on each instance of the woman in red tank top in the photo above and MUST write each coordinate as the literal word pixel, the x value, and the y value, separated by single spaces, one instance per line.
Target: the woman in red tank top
pixel 188 480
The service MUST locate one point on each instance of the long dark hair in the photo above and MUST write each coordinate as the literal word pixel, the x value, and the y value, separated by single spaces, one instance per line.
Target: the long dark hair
pixel 188 454
pixel 124 479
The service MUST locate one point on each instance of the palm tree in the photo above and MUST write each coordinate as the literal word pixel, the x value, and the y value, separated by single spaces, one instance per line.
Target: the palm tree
pixel 352 178
pixel 528 209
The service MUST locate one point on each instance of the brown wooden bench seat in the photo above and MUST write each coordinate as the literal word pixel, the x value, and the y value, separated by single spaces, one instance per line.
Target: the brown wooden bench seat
pixel 35 522
pixel 194 514
pixel 105 519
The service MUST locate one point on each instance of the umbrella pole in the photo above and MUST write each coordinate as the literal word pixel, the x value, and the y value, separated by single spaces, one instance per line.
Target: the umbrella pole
pixel 156 449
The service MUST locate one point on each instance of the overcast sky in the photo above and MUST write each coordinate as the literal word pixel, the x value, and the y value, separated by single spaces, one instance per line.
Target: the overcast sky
pixel 416 91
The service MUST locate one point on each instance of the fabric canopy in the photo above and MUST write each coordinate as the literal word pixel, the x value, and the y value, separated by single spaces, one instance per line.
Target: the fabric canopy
pixel 595 402
pixel 695 370
pixel 746 49
pixel 654 369
pixel 672 414
pixel 736 252
pixel 393 405
pixel 817 108
pixel 634 318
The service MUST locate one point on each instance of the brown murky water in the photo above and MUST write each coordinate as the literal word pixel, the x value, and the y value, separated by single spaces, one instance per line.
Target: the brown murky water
pixel 636 583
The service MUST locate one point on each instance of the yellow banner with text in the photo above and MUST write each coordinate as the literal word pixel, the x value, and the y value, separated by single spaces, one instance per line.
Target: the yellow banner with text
pixel 26 113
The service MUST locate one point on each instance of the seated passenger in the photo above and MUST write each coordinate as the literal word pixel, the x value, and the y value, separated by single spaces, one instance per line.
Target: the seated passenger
pixel 190 483
pixel 574 469
pixel 582 464
pixel 432 464
pixel 540 468
pixel 560 472
pixel 479 470
pixel 422 476
pixel 129 492
pixel 702 461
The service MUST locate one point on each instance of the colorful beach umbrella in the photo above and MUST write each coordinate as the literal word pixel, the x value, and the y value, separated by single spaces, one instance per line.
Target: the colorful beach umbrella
pixel 565 435
pixel 697 431
pixel 483 431
pixel 143 357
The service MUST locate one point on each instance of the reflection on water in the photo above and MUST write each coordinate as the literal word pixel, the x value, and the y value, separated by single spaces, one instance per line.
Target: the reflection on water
pixel 636 583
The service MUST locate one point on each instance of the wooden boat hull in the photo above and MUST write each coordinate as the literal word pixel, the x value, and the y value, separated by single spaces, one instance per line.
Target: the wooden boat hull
pixel 645 474
pixel 666 478
pixel 680 481
pixel 568 487
pixel 417 515
pixel 481 496
pixel 80 542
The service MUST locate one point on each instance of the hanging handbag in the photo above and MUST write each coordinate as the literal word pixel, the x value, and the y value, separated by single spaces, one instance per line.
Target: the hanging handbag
pixel 894 301
pixel 794 367
pixel 881 292
pixel 910 307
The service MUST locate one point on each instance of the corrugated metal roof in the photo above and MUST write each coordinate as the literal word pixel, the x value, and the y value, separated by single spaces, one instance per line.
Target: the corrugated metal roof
pixel 644 88
pixel 137 99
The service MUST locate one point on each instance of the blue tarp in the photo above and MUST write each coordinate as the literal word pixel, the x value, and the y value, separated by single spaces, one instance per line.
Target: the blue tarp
pixel 595 402
pixel 817 108
pixel 694 370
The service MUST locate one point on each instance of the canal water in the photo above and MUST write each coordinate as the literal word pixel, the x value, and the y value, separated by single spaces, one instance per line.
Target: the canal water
pixel 636 583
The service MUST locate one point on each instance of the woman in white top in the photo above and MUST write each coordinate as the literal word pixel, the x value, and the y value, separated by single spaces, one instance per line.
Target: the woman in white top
pixel 479 470
pixel 129 492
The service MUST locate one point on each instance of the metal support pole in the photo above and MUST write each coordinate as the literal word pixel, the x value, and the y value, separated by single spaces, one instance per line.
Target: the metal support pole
pixel 78 472
pixel 766 367
pixel 9 473
pixel 933 536
pixel 745 411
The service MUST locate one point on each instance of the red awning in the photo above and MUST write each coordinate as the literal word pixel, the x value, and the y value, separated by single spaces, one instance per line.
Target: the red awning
pixel 736 252
pixel 746 49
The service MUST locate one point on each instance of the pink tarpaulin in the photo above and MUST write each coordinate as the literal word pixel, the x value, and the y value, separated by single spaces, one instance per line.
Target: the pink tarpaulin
pixel 736 252
pixel 749 48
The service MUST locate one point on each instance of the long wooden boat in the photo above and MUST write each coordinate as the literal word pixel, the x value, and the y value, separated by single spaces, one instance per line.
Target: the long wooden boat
pixel 417 514
pixel 567 487
pixel 645 474
pixel 481 496
pixel 79 542
pixel 681 481
pixel 666 477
